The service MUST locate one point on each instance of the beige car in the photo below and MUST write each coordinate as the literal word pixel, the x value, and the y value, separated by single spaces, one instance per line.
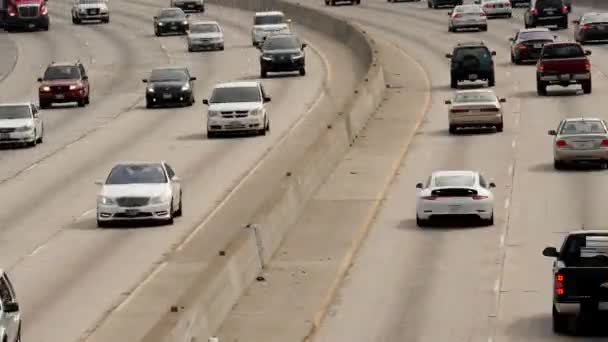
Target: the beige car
pixel 475 108
pixel 580 140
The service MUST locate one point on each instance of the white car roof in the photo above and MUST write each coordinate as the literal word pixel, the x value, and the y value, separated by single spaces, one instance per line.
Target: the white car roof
pixel 238 84
pixel 263 14
pixel 454 173
pixel 140 162
pixel 208 22
pixel 15 104
pixel 473 91
pixel 536 29
pixel 582 119
pixel 591 231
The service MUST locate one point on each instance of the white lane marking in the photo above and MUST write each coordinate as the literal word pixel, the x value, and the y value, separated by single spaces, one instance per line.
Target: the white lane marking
pixel 517 121
pixel 514 143
pixel 86 213
pixel 141 286
pixel 38 249
pixel 507 203
pixel 503 238
pixel 510 170
pixel 31 167
pixel 497 285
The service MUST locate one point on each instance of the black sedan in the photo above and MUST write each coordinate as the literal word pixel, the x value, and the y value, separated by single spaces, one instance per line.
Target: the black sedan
pixel 591 27
pixel 527 44
pixel 169 85
pixel 171 20
pixel 282 53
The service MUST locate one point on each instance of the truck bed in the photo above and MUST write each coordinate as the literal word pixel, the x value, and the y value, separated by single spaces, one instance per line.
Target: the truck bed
pixel 584 283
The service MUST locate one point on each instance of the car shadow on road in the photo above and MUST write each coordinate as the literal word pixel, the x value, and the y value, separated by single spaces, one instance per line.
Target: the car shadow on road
pixel 91 224
pixel 550 92
pixel 270 76
pixel 538 327
pixel 444 224
pixel 548 167
pixel 461 132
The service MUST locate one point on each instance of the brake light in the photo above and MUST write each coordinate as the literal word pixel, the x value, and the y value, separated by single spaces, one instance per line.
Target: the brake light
pixel 586 27
pixel 487 5
pixel 541 68
pixel 604 143
pixel 559 284
pixel 44 11
pixel 565 10
pixel 457 15
pixel 479 197
pixel 534 12
pixel 521 46
pixel 587 66
pixel 561 143
pixel 481 14
pixel 459 110
pixel 430 198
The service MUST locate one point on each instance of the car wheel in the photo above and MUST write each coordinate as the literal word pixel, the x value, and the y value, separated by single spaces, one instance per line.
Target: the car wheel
pixel 429 4
pixel 450 29
pixel 453 83
pixel 558 164
pixel 453 129
pixel 491 80
pixel 564 24
pixel 510 15
pixel 541 88
pixel 157 33
pixel 18 339
pixel 302 72
pixel 499 127
pixel 87 100
pixel 179 211
pixel 421 223
pixel 82 103
pixel 263 73
pixel 358 2
pixel 106 21
pixel 560 322
pixel 102 224
pixel 170 220
pixel 75 21
pixel 211 135
pixel 33 142
pixel 268 126
pixel 190 49
pixel 490 221
pixel 44 104
pixel 587 87
pixel 222 48
pixel 326 2
pixel 332 2
pixel 148 104
pixel 483 28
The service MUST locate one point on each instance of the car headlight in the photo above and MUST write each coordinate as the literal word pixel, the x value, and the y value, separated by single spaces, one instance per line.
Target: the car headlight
pixel 186 87
pixel 150 90
pixel 82 10
pixel 105 200
pixel 160 24
pixel 255 112
pixel 25 128
pixel 160 199
pixel 213 113
pixel 298 56
pixel 73 87
pixel 46 88
pixel 185 22
pixel 104 10
pixel 267 58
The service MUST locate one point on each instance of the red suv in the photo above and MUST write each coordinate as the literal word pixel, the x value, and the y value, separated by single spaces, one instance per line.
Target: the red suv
pixel 63 83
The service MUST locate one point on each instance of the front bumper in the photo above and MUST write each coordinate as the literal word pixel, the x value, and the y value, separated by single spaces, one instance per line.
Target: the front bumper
pixel 580 155
pixel 26 23
pixel 17 137
pixel 247 124
pixel 461 24
pixel 65 97
pixel 564 79
pixel 107 213
pixel 476 120
pixel 482 210
pixel 158 98
pixel 172 28
pixel 206 44
pixel 282 65
pixel 99 16
pixel 190 6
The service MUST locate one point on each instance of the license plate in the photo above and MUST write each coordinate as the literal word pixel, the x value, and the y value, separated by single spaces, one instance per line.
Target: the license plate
pixel 454 209
pixel 538 46
pixel 167 96
pixel 31 25
pixel 550 12
pixel 94 12
pixel 585 145
pixel 60 96
pixel 235 123
pixel 5 136
pixel 473 77
pixel 174 27
pixel 190 6
pixel 131 212
pixel 564 77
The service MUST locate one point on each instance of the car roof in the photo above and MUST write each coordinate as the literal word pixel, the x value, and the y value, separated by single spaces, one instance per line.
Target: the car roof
pixel 170 67
pixel 237 84
pixel 467 91
pixel 263 14
pixel 207 22
pixel 135 162
pixel 170 9
pixel 52 64
pixel 16 104
pixel 591 231
pixel 282 35
pixel 536 29
pixel 582 119
pixel 470 44
pixel 454 173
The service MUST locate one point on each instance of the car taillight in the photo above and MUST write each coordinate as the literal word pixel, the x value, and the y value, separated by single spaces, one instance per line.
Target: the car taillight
pixel 541 68
pixel 585 27
pixel 44 10
pixel 481 14
pixel 487 5
pixel 534 12
pixel 430 198
pixel 604 143
pixel 561 143
pixel 457 15
pixel 565 10
pixel 459 110
pixel 559 284
pixel 521 46
pixel 588 66
pixel 479 197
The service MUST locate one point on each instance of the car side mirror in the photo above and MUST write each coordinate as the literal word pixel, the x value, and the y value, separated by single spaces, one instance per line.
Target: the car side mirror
pixel 511 39
pixel 267 99
pixel 85 78
pixel 145 80
pixel 493 53
pixel 419 185
pixel 176 179
pixel 39 79
pixel 448 55
pixel 448 102
pixel 502 100
pixel 550 252
pixel 11 307
pixel 192 78
pixel 155 17
pixel 450 13
pixel 552 132
pixel 587 52
pixel 206 102
pixel 36 115
pixel 99 182
pixel 492 185
pixel 304 45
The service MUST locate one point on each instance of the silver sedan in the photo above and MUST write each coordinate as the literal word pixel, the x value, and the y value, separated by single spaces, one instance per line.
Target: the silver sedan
pixel 475 108
pixel 580 140
pixel 467 17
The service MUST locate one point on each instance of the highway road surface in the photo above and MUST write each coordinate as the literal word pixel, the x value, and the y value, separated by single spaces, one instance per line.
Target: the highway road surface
pixel 473 284
pixel 67 272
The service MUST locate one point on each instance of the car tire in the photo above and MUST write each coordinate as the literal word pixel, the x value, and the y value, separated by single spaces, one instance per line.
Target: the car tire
pixel 44 104
pixel 358 2
pixel 268 126
pixel 491 80
pixel 190 49
pixel 18 338
pixel 500 127
pixel 450 29
pixel 222 48
pixel 490 221
pixel 211 135
pixel 453 83
pixel 156 33
pixel 558 164
pixel 179 211
pixel 33 142
pixel 541 88
pixel 75 21
pixel 586 87
pixel 148 104
pixel 302 71
pixel 510 15
pixel 170 220
pixel 560 322
pixel 263 73
pixel 484 28
pixel 41 138
pixel 428 3
pixel 87 100
pixel 102 224
pixel 106 21
pixel 326 2
pixel 81 103
pixel 452 129
pixel 332 2
pixel 421 223
pixel 564 24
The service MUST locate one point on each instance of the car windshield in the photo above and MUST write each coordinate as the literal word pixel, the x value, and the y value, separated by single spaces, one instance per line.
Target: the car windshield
pixel 15 112
pixel 137 174
pixel 281 43
pixel 557 4
pixel 168 75
pixel 478 52
pixel 482 96
pixel 454 180
pixel 235 94
pixel 204 28
pixel 90 2
pixel 62 73
pixel 467 9
pixel 172 13
pixel 583 127
pixel 562 51
pixel 595 18
pixel 268 20
pixel 535 35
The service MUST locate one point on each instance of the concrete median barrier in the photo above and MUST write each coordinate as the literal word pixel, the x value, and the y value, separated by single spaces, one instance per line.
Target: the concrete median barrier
pixel 187 297
pixel 8 55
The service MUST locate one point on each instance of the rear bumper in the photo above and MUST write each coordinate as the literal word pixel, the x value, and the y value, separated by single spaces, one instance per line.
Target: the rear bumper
pixel 577 308
pixel 426 211
pixel 195 45
pixel 468 24
pixel 462 76
pixel 69 96
pixel 498 11
pixel 581 155
pixel 26 23
pixel 547 21
pixel 190 6
pixel 564 79
pixel 476 120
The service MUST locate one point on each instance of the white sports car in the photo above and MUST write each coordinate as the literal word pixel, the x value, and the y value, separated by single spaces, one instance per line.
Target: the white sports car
pixel 448 194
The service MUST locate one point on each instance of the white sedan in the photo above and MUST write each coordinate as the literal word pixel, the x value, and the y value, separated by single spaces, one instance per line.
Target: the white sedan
pixel 467 17
pixel 497 8
pixel 450 194
pixel 136 191
pixel 475 108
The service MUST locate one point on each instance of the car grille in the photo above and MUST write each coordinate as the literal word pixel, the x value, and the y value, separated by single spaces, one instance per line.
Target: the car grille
pixel 93 11
pixel 138 215
pixel 132 201
pixel 7 130
pixel 172 90
pixel 235 114
pixel 28 11
pixel 61 88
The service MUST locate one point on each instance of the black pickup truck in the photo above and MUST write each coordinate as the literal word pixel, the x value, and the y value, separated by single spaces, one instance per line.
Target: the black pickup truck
pixel 580 279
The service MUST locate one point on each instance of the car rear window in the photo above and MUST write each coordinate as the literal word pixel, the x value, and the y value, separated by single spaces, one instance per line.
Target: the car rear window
pixel 583 127
pixel 586 250
pixel 549 3
pixel 474 97
pixel 595 18
pixel 468 9
pixel 454 180
pixel 562 51
pixel 538 35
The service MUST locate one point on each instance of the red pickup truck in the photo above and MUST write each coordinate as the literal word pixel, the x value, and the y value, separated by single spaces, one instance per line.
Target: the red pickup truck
pixel 563 64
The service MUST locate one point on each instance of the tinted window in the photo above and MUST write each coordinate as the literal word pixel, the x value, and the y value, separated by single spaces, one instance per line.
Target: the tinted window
pixel 281 43
pixel 583 127
pixel 455 180
pixel 538 35
pixel 172 13
pixel 586 250
pixel 15 112
pixel 479 52
pixel 204 28
pixel 549 3
pixel 167 75
pixel 594 18
pixel 137 174
pixel 474 97
pixel 268 20
pixel 235 94
pixel 62 73
pixel 562 51
pixel 5 292
pixel 482 182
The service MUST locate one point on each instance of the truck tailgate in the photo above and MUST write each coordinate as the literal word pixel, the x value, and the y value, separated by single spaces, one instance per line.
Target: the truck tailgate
pixel 565 66
pixel 582 282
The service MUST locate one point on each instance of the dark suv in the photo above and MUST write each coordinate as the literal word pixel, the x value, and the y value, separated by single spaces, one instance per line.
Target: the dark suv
pixel 282 53
pixel 471 62
pixel 62 83
pixel 547 13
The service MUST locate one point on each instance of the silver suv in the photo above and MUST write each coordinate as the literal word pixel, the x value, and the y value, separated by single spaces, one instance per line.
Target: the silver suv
pixel 90 10
pixel 10 317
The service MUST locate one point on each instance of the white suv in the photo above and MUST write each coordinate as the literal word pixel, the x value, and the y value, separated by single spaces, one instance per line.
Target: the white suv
pixel 10 316
pixel 237 107
pixel 265 23
pixel 20 123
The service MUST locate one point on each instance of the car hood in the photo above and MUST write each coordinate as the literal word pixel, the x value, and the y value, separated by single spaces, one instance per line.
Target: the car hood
pixel 234 106
pixel 60 82
pixel 87 6
pixel 13 123
pixel 135 190
pixel 210 35
pixel 271 27
pixel 281 52
pixel 172 20
pixel 170 84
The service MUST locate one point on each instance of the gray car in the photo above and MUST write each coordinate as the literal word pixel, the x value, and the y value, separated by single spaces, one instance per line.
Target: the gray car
pixel 205 35
pixel 580 140
pixel 90 10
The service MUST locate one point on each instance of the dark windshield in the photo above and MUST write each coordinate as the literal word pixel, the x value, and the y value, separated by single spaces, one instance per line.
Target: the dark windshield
pixel 137 174
pixel 538 35
pixel 281 43
pixel 583 127
pixel 454 180
pixel 595 18
pixel 557 4
pixel 15 112
pixel 479 52
pixel 562 51
pixel 62 73
pixel 204 28
pixel 235 94
pixel 268 20
pixel 168 75
pixel 172 13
